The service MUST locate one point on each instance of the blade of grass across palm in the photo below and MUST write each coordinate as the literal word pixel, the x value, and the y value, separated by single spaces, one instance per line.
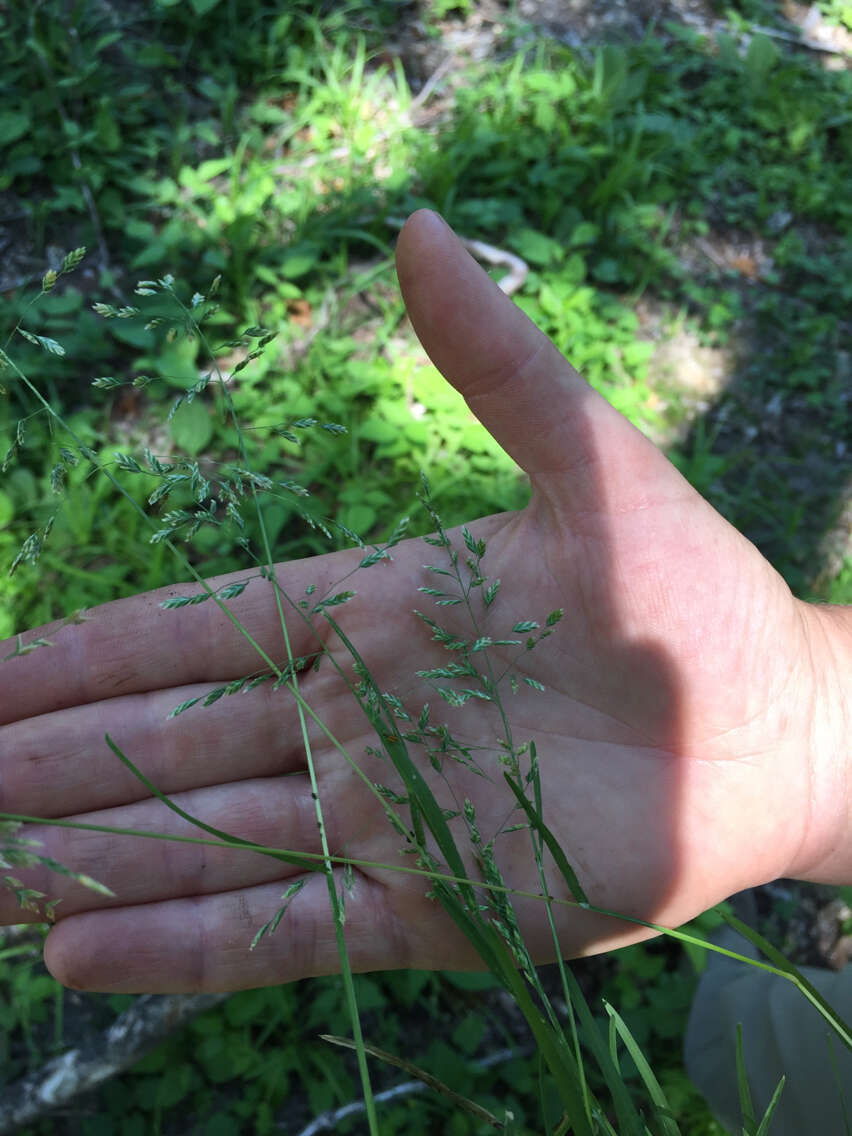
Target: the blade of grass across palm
pixel 484 937
pixel 535 818
pixel 840 1027
pixel 535 777
pixel 462 1102
pixel 472 928
pixel 628 1118
pixel 287 857
pixel 668 1125
pixel 416 786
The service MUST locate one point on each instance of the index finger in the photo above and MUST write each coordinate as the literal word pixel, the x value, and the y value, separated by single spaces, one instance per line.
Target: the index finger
pixel 134 645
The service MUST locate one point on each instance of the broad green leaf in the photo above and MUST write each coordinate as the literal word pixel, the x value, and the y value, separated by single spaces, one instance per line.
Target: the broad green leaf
pixel 299 260
pixel 177 364
pixel 360 518
pixel 585 233
pixel 761 57
pixel 13 124
pixel 192 426
pixel 7 509
pixel 537 247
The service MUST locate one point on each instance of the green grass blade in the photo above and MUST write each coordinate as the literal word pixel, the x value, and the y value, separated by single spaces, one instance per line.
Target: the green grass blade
pixel 536 840
pixel 847 1127
pixel 668 1125
pixel 552 1045
pixel 469 926
pixel 287 858
pixel 416 786
pixel 763 1130
pixel 464 1103
pixel 550 840
pixel 628 1119
pixel 548 1131
pixel 841 1028
pixel 746 1103
pixel 558 1057
pixel 613 1042
pixel 485 938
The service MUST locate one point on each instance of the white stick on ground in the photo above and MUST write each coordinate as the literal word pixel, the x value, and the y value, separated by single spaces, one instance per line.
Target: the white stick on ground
pixel 151 1019
pixel 328 1121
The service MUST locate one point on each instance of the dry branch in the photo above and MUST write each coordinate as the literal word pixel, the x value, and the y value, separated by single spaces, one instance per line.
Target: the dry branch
pixel 150 1020
pixel 328 1121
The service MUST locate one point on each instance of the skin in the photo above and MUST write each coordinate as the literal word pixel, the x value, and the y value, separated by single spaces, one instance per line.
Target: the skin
pixel 691 735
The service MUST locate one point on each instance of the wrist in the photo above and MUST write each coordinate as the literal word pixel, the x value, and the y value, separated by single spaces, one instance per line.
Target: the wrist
pixel 826 853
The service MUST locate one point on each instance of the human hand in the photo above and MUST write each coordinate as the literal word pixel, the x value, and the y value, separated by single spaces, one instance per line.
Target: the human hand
pixel 680 734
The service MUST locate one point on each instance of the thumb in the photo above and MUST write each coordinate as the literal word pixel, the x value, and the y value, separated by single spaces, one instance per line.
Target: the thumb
pixel 529 398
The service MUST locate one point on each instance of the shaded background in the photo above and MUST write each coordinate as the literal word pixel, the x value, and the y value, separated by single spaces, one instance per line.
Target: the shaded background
pixel 674 175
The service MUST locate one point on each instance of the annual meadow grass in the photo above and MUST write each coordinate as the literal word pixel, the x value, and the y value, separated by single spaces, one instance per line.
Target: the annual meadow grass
pixel 582 1067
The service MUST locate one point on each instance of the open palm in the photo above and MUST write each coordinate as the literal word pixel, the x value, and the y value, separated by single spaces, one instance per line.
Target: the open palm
pixel 670 683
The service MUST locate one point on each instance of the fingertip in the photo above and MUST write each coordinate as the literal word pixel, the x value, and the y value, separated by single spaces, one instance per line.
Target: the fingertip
pixel 60 958
pixel 425 217
pixel 422 232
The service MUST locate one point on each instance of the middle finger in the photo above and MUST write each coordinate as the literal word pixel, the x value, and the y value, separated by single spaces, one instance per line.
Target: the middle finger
pixel 276 812
pixel 59 763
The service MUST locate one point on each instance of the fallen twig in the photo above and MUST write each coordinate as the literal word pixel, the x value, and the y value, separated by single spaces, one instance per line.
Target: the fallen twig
pixel 518 268
pixel 328 1121
pixel 798 40
pixel 151 1019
